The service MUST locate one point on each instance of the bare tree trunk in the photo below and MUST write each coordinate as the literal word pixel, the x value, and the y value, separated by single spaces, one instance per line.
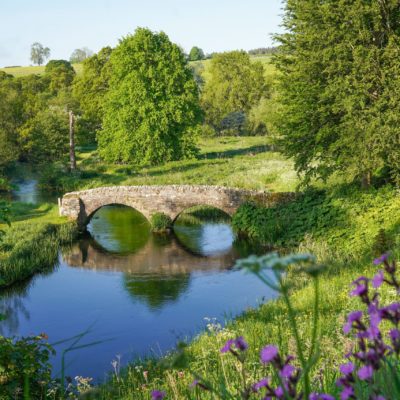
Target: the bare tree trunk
pixel 72 157
pixel 366 180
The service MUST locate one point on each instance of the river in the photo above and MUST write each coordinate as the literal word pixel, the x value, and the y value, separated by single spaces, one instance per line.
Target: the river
pixel 134 293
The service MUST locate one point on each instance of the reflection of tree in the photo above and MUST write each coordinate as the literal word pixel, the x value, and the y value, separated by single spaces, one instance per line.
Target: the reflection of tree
pixel 119 229
pixel 156 291
pixel 12 307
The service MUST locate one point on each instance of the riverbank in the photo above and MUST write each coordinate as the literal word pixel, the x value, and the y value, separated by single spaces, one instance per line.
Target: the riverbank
pixel 344 227
pixel 32 242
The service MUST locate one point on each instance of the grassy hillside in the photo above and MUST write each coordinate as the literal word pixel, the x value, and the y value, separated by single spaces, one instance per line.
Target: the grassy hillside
pixel 23 71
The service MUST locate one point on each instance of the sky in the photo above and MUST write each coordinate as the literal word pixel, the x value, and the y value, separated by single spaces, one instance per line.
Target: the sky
pixel 64 25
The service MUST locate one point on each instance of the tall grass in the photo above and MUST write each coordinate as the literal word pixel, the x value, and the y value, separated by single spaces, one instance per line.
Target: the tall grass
pixel 27 248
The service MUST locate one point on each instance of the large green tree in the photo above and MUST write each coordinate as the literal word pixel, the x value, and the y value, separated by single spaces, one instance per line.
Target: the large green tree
pixel 340 87
pixel 90 89
pixel 234 85
pixel 152 107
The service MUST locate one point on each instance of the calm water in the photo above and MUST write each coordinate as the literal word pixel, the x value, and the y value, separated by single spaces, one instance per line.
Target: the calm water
pixel 135 292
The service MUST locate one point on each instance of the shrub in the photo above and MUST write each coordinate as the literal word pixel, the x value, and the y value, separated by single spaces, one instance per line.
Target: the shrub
pixel 24 367
pixel 160 222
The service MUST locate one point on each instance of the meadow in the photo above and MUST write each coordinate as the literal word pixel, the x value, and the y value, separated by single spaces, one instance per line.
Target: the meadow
pixel 33 69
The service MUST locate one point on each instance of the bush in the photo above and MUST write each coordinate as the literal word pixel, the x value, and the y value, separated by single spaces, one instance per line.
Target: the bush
pixel 160 222
pixel 25 370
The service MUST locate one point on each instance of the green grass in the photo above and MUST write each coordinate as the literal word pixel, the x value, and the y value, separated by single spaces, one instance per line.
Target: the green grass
pixel 367 213
pixel 243 162
pixel 38 70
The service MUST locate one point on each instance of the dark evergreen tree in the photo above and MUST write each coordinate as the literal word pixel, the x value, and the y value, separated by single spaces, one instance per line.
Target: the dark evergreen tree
pixel 340 87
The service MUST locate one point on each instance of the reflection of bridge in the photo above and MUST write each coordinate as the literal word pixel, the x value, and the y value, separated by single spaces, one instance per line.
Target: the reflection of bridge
pixel 171 200
pixel 152 259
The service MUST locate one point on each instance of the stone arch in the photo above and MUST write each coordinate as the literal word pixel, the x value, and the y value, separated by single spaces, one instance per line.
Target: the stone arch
pixel 229 214
pixel 89 217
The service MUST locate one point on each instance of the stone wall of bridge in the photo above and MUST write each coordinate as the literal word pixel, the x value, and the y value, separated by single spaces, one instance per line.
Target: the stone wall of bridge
pixel 169 199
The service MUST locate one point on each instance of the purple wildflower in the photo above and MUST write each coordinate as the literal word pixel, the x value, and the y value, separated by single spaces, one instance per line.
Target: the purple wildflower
pixel 365 372
pixel 347 393
pixel 354 316
pixel 316 396
pixel 381 259
pixel 347 369
pixel 194 383
pixel 268 354
pixel 228 345
pixel 157 395
pixel 361 286
pixel 239 343
pixel 279 392
pixel 287 371
pixel 261 384
pixel 378 279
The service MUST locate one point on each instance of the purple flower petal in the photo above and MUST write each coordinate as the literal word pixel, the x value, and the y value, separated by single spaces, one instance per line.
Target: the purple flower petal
pixel 263 383
pixel 377 280
pixel 228 345
pixel 365 372
pixel 347 392
pixel 287 371
pixel 157 395
pixel 268 353
pixel 381 259
pixel 322 396
pixel 279 392
pixel 241 344
pixel 347 369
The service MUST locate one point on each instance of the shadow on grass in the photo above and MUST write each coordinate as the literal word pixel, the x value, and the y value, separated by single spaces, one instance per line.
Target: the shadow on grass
pixel 179 168
pixel 236 152
pixel 23 211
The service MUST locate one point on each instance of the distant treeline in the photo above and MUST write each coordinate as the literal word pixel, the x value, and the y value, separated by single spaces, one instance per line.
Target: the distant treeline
pixel 263 51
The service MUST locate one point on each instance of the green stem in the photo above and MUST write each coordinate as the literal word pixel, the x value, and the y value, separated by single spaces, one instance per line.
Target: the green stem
pixel 292 320
pixel 316 318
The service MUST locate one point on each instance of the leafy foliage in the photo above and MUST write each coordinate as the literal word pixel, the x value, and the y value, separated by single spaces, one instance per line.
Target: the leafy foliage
pixel 80 55
pixel 90 89
pixel 340 85
pixel 235 84
pixel 25 367
pixel 196 54
pixel 160 222
pixel 152 110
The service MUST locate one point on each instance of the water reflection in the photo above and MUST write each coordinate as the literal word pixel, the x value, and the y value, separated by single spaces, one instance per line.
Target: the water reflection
pixel 139 289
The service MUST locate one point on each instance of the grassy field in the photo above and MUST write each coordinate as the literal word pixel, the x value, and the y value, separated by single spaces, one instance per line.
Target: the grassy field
pixel 243 162
pixel 39 70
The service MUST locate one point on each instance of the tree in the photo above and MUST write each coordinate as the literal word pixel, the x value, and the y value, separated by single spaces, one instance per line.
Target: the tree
pixel 45 138
pixel 90 89
pixel 60 74
pixel 151 111
pixel 340 87
pixel 11 111
pixel 235 84
pixel 39 53
pixel 80 55
pixel 196 54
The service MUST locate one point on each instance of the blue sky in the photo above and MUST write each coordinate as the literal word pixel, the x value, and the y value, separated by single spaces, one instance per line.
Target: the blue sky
pixel 64 25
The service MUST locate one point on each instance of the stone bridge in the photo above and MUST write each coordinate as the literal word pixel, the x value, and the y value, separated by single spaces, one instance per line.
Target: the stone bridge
pixel 170 199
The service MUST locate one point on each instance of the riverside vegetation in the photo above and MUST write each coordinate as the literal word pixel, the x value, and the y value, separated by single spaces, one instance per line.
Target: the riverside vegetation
pixel 330 106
